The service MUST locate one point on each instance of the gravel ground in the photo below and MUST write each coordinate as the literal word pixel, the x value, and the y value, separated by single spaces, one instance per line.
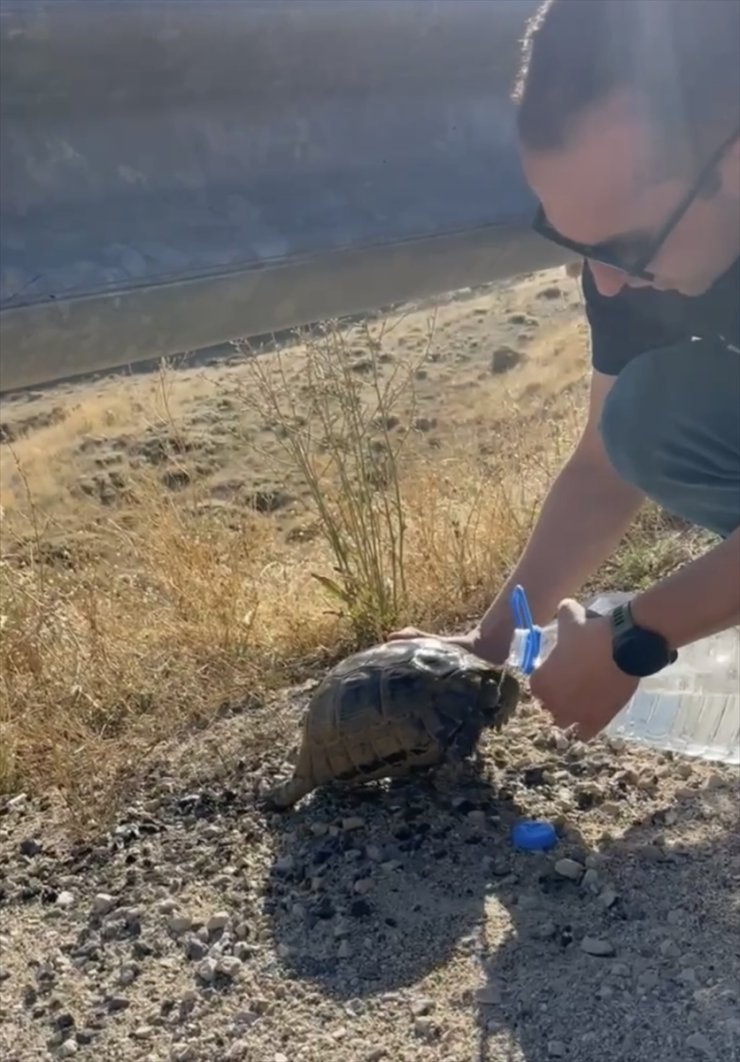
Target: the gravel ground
pixel 395 923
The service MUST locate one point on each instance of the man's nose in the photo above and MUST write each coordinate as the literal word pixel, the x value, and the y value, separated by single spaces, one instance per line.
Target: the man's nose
pixel 609 281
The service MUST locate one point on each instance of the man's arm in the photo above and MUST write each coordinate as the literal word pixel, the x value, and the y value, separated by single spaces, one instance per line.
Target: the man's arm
pixel 701 599
pixel 585 515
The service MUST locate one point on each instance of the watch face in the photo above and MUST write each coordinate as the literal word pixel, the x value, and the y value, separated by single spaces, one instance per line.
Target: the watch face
pixel 641 653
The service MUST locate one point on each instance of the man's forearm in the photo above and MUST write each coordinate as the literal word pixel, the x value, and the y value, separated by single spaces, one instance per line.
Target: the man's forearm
pixel 699 600
pixel 583 519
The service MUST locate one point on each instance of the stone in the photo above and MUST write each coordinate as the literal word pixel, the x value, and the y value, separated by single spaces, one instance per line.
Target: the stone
pixel 352 822
pixel 196 949
pixel 285 864
pixel 425 1029
pixel 65 899
pixel 207 970
pixel 569 868
pixel 607 897
pixel 422 1006
pixel 556 1049
pixel 598 947
pixel 118 1003
pixel 128 973
pixel 67 1049
pixel 30 847
pixel 345 950
pixel 218 921
pixel 591 881
pixel 699 1043
pixel 103 903
pixel 362 886
pixel 229 966
pixel 488 995
pixel 179 923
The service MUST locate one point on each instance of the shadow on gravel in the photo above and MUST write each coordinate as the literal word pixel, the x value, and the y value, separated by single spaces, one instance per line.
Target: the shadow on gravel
pixel 370 893
pixel 669 991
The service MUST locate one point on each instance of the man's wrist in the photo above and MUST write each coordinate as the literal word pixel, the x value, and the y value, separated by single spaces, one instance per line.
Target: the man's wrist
pixel 697 601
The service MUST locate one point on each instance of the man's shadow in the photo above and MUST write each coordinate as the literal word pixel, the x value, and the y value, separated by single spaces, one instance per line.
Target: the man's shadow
pixel 370 892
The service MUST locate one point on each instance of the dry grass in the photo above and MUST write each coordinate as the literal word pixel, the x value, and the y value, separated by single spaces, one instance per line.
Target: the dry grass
pixel 161 612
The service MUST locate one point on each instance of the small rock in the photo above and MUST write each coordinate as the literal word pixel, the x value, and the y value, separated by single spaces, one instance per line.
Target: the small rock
pixel 591 881
pixel 141 1032
pixel 374 853
pixel 422 1006
pixel 179 923
pixel 167 906
pixel 362 886
pixel 118 1003
pixel 229 966
pixel 353 822
pixel 376 1054
pixel 675 916
pixel 30 847
pixel 556 1049
pixel 279 1057
pixel 128 974
pixel 597 946
pixel 65 1020
pixel 699 1043
pixel 196 949
pixel 217 921
pixel 425 1029
pixel 207 970
pixel 488 995
pixel 319 829
pixel 85 1036
pixel 607 897
pixel 183 1053
pixel 17 803
pixel 345 950
pixel 4 974
pixel 67 1049
pixel 688 977
pixel 103 903
pixel 65 899
pixel 285 864
pixel 569 868
pixel 620 969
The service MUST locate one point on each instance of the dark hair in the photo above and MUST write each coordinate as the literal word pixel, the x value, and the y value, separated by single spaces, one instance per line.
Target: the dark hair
pixel 681 58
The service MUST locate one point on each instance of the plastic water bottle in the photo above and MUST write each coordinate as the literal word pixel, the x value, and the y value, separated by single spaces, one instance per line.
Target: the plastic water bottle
pixel 692 706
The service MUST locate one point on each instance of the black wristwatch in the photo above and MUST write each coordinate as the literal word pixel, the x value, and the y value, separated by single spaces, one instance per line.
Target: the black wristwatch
pixel 636 651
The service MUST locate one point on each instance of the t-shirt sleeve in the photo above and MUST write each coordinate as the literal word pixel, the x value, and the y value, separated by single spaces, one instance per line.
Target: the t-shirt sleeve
pixel 619 330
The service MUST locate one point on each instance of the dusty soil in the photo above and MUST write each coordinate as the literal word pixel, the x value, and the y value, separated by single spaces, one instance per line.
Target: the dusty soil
pixel 393 923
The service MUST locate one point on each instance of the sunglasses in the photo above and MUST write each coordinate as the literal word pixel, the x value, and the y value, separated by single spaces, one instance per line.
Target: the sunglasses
pixel 630 254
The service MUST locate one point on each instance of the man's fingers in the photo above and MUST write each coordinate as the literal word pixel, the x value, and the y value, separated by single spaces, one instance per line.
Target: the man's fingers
pixel 570 614
pixel 406 633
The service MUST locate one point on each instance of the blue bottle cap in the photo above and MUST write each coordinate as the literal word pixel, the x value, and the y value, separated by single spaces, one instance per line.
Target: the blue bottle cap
pixel 534 836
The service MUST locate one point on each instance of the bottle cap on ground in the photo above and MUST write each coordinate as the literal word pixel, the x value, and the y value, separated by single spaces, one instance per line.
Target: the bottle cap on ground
pixel 534 836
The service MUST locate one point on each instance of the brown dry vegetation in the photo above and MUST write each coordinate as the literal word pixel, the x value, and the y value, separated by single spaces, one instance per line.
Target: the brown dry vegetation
pixel 176 543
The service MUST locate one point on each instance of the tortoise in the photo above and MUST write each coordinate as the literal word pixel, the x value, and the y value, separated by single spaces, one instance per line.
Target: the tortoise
pixel 389 710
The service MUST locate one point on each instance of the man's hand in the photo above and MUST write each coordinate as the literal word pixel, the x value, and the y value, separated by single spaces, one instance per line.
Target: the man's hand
pixel 579 682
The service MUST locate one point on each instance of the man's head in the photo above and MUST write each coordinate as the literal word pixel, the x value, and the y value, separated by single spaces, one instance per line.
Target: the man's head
pixel 629 110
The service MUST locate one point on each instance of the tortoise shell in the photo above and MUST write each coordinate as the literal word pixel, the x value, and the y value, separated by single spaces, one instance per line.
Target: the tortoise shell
pixel 385 711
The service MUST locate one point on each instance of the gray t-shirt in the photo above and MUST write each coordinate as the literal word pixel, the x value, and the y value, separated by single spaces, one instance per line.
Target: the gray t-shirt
pixel 640 319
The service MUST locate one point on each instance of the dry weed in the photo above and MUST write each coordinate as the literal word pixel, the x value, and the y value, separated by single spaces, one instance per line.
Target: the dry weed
pixel 174 611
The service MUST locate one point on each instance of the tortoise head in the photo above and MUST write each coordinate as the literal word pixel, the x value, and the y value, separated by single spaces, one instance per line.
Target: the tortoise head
pixel 502 697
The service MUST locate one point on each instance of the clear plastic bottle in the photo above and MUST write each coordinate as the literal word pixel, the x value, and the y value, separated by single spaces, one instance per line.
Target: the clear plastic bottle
pixel 692 706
